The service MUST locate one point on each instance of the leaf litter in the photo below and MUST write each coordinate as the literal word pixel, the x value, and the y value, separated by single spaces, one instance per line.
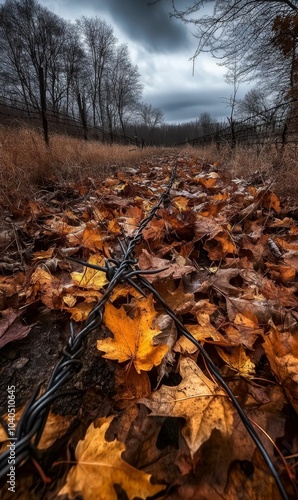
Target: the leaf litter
pixel 227 254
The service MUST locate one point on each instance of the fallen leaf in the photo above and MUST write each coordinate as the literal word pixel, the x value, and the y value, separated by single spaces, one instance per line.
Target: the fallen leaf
pixel 238 360
pixel 131 385
pixel 149 262
pixel 56 426
pixel 133 336
pixel 202 403
pixel 11 327
pixel 43 254
pixel 281 349
pixel 92 238
pixel 100 467
pixel 91 278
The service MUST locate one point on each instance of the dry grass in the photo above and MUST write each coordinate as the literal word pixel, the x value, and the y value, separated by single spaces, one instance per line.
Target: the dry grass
pixel 27 165
pixel 278 167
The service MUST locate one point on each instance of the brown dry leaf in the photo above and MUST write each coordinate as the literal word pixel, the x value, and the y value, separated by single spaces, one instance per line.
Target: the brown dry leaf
pixel 204 331
pixel 281 272
pixel 246 320
pixel 43 254
pixel 92 238
pixel 259 486
pixel 155 230
pixel 220 245
pixel 221 281
pixel 123 291
pixel 131 385
pixel 130 221
pixel 282 295
pixel 208 181
pixel 100 467
pixel 271 200
pixel 81 311
pixel 180 202
pixel 176 298
pixel 56 426
pixel 91 278
pixel 9 286
pixel 202 403
pixel 206 226
pixel 47 287
pixel 133 336
pixel 113 227
pixel 238 360
pixel 168 337
pixel 75 237
pixel 291 259
pixel 175 269
pixel 281 349
pixel 286 222
pixel 58 225
pixel 201 334
pixel 292 244
pixel 11 327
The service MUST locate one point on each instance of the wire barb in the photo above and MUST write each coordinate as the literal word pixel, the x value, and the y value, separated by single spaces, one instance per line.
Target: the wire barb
pixel 34 417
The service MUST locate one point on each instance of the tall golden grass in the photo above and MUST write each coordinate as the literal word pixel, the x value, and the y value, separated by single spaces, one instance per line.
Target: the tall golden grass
pixel 278 167
pixel 27 165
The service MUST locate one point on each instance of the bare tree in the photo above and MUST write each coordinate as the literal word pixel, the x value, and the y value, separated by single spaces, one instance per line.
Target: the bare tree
pixel 34 40
pixel 99 43
pixel 152 117
pixel 237 28
pixel 126 88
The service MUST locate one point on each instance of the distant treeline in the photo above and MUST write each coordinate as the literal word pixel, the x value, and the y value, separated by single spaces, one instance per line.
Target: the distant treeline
pixel 76 78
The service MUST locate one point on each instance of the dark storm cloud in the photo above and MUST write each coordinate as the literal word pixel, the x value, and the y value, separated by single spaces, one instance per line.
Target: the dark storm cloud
pixel 149 25
pixel 161 47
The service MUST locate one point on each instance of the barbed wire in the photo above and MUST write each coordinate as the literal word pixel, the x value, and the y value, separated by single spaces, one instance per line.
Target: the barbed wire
pixel 252 128
pixel 32 422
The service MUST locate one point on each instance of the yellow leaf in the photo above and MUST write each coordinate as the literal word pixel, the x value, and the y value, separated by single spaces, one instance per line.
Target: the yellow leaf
pixel 100 467
pixel 56 426
pixel 92 238
pixel 113 227
pixel 91 278
pixel 133 337
pixel 69 300
pixel 180 202
pixel 81 311
pixel 238 361
pixel 197 399
pixel 248 319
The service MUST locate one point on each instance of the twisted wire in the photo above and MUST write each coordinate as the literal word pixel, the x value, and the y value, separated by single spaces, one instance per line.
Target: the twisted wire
pixel 33 420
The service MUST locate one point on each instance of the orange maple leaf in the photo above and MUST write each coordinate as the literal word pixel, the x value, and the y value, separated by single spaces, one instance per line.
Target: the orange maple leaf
pixel 133 337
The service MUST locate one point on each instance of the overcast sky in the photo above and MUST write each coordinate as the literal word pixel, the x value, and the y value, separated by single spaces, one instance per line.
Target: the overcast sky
pixel 161 46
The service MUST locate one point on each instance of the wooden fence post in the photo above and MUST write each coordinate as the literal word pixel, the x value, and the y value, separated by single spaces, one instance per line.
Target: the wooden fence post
pixel 43 103
pixel 82 111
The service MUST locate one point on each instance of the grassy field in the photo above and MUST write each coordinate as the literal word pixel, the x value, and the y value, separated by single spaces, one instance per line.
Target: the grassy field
pixel 27 165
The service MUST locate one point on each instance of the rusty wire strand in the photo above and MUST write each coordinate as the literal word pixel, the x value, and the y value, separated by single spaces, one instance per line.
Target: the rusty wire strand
pixel 33 419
